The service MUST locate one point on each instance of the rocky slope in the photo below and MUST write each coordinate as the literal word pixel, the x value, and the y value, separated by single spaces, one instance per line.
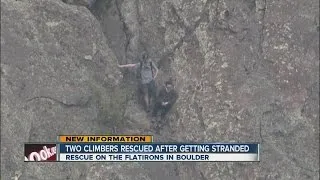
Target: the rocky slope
pixel 58 76
pixel 245 70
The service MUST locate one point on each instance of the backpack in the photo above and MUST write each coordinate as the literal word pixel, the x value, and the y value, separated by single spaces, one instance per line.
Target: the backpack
pixel 140 68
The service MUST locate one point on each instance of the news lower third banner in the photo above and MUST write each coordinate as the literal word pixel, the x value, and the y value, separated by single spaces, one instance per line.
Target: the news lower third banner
pixel 70 148
pixel 158 152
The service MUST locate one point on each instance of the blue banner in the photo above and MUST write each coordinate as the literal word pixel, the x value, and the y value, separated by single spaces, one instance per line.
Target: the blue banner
pixel 158 148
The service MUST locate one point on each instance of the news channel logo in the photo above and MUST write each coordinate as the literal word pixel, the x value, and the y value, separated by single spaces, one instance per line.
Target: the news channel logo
pixel 40 152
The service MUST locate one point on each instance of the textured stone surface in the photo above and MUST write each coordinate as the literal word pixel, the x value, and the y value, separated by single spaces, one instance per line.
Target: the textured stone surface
pixel 245 70
pixel 49 86
pixel 86 3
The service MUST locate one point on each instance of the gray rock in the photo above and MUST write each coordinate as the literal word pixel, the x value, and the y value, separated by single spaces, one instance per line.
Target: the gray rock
pixel 47 86
pixel 245 71
pixel 87 3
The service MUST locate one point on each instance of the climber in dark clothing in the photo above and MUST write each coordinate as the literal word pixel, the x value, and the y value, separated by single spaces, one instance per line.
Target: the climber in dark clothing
pixel 165 100
pixel 148 72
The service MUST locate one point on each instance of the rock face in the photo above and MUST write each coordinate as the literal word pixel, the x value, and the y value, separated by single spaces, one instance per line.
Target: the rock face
pixel 245 70
pixel 86 3
pixel 58 76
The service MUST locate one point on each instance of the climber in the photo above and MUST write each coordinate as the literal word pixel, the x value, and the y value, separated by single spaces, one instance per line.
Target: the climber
pixel 147 73
pixel 165 100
